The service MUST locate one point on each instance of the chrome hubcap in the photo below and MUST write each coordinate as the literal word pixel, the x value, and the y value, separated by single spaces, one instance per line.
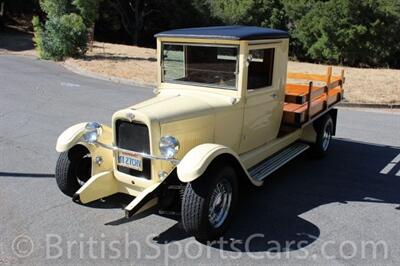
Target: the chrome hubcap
pixel 326 138
pixel 220 203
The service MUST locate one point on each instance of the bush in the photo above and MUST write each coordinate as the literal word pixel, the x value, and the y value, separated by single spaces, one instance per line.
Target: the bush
pixel 38 36
pixel 65 32
pixel 64 37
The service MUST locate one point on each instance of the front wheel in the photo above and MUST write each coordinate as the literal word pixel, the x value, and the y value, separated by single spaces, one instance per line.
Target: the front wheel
pixel 208 203
pixel 73 169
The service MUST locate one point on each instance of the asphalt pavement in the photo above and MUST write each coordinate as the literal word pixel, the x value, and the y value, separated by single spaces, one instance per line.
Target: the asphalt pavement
pixel 343 209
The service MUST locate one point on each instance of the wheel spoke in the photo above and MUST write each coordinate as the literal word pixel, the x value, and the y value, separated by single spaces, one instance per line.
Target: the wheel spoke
pixel 220 202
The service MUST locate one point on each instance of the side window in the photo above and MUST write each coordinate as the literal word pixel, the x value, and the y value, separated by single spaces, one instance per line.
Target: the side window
pixel 174 62
pixel 261 68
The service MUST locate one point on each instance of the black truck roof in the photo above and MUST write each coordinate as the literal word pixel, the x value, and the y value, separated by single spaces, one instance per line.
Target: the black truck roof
pixel 226 32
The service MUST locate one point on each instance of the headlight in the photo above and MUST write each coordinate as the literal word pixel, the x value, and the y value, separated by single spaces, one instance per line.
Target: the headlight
pixel 92 132
pixel 169 146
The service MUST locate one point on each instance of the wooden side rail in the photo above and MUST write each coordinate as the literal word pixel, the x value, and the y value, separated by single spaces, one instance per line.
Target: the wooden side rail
pixel 303 103
pixel 296 93
pixel 302 76
pixel 327 78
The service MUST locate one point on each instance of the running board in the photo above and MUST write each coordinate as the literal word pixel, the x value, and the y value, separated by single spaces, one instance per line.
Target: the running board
pixel 271 164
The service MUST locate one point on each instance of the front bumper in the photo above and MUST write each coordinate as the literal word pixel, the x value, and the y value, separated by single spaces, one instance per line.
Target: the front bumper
pixel 105 184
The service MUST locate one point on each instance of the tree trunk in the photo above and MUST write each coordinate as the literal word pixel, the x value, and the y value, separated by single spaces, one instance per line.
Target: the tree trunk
pixel 91 38
pixel 138 18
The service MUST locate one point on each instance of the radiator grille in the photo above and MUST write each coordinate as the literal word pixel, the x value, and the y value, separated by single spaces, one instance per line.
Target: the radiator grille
pixel 134 137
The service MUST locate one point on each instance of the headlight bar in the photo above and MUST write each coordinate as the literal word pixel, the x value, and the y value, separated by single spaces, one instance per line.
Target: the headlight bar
pixel 91 135
pixel 144 155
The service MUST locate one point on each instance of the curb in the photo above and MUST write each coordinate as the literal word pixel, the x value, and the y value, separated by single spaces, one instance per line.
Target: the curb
pixel 80 71
pixel 369 105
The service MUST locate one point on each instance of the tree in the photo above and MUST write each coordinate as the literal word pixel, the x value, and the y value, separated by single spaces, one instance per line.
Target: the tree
pixel 133 14
pixel 266 13
pixel 89 12
pixel 356 33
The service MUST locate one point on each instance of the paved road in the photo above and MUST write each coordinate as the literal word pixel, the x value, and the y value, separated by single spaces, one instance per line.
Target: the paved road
pixel 340 210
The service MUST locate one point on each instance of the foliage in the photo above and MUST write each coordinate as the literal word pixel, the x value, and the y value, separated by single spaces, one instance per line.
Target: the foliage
pixel 65 32
pixel 55 8
pixel 266 13
pixel 141 19
pixel 132 14
pixel 64 37
pixel 356 33
pixel 38 36
pixel 88 9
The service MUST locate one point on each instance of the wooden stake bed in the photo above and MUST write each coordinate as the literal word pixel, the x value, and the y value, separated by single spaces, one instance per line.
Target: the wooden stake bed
pixel 303 103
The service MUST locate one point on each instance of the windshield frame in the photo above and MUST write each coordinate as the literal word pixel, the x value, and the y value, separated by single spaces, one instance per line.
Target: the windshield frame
pixel 199 84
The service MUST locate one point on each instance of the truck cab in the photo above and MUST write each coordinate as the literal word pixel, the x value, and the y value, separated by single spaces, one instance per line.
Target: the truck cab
pixel 236 64
pixel 223 113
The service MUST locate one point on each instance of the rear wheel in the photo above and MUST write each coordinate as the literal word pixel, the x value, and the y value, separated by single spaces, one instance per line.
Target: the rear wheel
pixel 208 203
pixel 324 128
pixel 73 169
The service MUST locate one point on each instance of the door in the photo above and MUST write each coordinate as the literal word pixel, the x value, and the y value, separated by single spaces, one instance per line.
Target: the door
pixel 264 99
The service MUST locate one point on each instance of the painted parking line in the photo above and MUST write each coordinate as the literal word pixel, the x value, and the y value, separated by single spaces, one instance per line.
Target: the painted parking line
pixel 386 170
pixel 396 159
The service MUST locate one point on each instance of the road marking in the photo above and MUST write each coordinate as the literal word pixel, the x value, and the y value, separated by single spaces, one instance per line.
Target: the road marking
pixel 68 84
pixel 372 199
pixel 396 159
pixel 386 170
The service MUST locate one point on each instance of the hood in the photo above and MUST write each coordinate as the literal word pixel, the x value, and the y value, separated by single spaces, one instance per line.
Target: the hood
pixel 190 116
pixel 172 106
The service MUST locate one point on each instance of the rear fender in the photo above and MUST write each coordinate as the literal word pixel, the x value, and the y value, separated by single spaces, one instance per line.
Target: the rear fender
pixel 198 159
pixel 309 133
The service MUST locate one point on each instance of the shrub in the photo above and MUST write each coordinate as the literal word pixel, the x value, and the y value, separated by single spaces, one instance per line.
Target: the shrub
pixel 38 36
pixel 65 32
pixel 65 37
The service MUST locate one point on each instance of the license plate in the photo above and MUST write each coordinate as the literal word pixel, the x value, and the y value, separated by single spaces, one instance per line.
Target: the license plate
pixel 130 160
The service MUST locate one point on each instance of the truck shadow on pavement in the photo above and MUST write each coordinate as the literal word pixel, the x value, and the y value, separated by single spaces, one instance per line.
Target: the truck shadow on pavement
pixel 269 219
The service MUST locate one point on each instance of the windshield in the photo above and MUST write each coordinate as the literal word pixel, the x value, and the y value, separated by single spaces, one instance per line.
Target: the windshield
pixel 212 66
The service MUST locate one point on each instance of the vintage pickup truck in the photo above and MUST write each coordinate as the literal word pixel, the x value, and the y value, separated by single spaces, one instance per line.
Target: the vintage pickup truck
pixel 223 114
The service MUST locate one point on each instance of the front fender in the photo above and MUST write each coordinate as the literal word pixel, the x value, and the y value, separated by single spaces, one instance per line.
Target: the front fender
pixel 197 160
pixel 70 137
pixel 73 136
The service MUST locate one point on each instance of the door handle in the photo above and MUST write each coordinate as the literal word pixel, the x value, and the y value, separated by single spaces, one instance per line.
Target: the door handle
pixel 274 96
